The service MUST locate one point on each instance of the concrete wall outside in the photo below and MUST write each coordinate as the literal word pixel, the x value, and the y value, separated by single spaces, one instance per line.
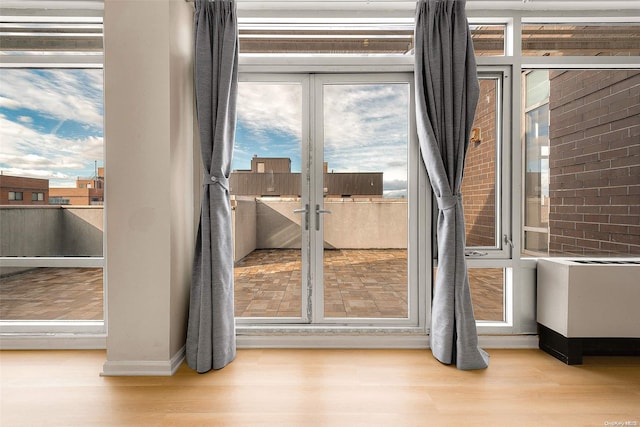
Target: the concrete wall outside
pixel 244 226
pixel 83 231
pixel 365 224
pixel 265 223
pixel 51 231
pixel 31 231
pixel 277 225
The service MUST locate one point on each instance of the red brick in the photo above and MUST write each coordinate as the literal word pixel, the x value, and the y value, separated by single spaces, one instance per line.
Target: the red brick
pixel 614 209
pixel 614 154
pixel 614 228
pixel 596 218
pixel 625 219
pixel 614 247
pixel 614 191
pixel 587 243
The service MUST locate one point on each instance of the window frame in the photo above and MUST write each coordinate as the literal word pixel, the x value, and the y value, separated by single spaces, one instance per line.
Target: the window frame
pixel 93 330
pixel 503 201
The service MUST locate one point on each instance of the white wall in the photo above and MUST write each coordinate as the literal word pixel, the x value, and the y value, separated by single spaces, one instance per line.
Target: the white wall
pixel 149 183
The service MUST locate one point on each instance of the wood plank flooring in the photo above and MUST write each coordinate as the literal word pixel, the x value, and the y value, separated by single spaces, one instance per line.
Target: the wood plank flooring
pixel 284 387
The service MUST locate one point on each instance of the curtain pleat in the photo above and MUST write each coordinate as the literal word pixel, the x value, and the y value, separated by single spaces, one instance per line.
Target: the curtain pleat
pixel 447 91
pixel 211 340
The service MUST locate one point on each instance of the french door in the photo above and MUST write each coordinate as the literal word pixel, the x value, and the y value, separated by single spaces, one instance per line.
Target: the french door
pixel 324 192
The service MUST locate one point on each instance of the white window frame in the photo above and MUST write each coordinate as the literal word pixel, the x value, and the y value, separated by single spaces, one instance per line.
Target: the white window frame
pixel 37 333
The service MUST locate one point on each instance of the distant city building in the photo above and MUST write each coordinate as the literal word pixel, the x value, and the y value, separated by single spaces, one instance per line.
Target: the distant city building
pixel 272 176
pixel 88 191
pixel 17 190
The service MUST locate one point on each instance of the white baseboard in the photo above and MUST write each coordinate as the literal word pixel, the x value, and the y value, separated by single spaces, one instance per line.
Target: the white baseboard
pixel 165 368
pixel 53 341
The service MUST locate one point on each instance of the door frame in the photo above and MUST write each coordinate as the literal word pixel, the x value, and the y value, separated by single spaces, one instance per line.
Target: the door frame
pixel 317 199
pixel 419 281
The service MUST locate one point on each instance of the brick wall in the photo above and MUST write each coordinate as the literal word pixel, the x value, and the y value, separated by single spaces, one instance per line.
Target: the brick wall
pixel 478 185
pixel 594 162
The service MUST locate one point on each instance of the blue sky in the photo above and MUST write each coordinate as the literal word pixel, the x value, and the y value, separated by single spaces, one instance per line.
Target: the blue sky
pixel 51 123
pixel 51 126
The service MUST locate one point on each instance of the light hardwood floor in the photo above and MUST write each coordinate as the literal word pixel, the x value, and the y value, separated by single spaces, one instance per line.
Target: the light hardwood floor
pixel 270 387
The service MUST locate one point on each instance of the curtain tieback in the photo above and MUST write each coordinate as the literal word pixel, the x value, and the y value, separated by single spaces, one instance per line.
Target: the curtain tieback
pixel 447 202
pixel 220 180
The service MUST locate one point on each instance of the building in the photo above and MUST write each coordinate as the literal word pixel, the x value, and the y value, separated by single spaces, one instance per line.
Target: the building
pixel 17 190
pixel 272 177
pixel 87 192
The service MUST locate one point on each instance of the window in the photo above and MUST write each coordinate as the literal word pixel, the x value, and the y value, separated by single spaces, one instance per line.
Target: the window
pixel 488 39
pixel 15 195
pixel 581 39
pixel 51 128
pixel 536 164
pixel 582 162
pixel 486 198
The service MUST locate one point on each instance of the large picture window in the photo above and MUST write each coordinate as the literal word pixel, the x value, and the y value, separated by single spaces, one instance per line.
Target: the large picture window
pixel 51 128
pixel 52 140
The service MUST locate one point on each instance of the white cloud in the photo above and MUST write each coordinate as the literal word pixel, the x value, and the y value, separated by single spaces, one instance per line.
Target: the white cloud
pixel 270 107
pixel 61 95
pixel 26 152
pixel 25 119
pixel 8 103
pixel 366 129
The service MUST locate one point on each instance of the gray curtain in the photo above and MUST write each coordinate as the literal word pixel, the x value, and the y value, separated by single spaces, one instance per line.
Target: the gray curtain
pixel 447 91
pixel 211 340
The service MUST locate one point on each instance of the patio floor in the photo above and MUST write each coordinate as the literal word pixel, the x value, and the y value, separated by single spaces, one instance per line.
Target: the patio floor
pixel 358 283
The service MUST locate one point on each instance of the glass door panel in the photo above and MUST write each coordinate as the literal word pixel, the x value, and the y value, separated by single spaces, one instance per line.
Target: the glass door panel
pixel 481 187
pixel 267 201
pixel 361 208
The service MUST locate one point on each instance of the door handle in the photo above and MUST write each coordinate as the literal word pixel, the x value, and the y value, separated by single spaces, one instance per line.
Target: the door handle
pixel 318 212
pixel 305 211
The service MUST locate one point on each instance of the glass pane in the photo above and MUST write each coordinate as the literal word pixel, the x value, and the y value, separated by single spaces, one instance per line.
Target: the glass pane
pixel 488 40
pixel 321 39
pixel 51 294
pixel 365 188
pixel 537 88
pixel 480 176
pixel 51 127
pixel 581 185
pixel 265 190
pixel 536 213
pixel 594 39
pixel 487 293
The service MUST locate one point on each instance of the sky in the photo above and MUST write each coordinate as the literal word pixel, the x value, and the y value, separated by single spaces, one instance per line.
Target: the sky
pixel 365 128
pixel 51 126
pixel 51 123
